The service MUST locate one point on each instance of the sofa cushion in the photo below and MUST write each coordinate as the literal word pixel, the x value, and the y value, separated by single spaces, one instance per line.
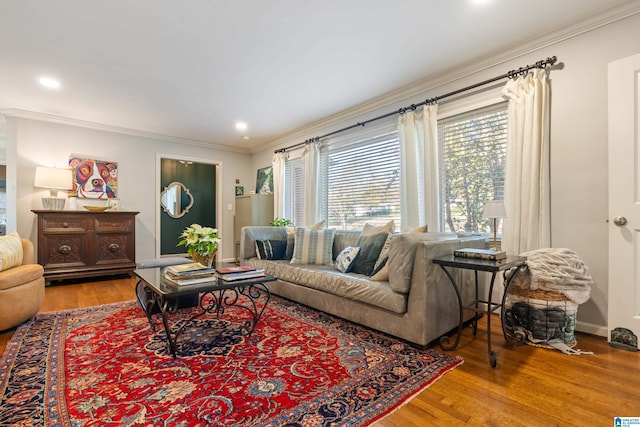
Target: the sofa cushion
pixel 271 249
pixel 10 251
pixel 313 247
pixel 326 279
pixel 346 258
pixel 371 242
pixel 20 275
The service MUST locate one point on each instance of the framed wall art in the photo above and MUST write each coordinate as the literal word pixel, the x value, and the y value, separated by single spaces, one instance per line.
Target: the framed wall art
pixel 93 179
pixel 264 181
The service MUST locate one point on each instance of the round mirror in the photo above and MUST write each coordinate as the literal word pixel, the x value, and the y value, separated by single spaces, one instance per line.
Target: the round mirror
pixel 176 200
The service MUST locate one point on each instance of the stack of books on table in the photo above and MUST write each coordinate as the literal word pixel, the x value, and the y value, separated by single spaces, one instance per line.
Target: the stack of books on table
pixel 241 272
pixel 189 274
pixel 489 254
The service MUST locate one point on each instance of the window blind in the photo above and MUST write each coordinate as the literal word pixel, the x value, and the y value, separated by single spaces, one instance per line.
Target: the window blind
pixel 294 191
pixel 472 153
pixel 361 182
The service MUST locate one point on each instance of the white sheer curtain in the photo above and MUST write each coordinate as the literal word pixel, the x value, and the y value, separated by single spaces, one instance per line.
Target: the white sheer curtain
pixel 311 164
pixel 526 185
pixel 278 184
pixel 419 192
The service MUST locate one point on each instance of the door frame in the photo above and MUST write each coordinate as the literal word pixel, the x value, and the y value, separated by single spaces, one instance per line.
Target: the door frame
pixel 158 209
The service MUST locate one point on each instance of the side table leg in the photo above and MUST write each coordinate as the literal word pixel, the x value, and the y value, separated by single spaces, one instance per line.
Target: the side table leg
pixel 492 354
pixel 444 340
pixel 476 315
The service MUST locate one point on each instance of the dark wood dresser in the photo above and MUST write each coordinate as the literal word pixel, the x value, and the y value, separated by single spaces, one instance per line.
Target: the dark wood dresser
pixel 75 244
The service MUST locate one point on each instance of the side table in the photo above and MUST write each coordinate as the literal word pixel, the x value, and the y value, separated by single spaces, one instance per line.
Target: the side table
pixel 493 267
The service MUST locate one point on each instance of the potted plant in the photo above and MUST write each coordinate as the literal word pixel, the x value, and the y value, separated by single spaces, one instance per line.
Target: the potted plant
pixel 201 243
pixel 281 222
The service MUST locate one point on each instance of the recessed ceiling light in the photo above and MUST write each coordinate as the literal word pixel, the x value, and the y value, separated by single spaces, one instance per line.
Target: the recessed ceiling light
pixel 246 137
pixel 241 126
pixel 49 82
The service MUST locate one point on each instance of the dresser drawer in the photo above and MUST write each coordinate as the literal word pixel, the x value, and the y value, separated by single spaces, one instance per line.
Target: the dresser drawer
pixel 113 248
pixel 64 250
pixel 113 223
pixel 65 224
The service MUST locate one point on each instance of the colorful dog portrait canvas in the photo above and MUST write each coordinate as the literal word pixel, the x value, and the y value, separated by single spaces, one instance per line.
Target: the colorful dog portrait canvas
pixel 94 179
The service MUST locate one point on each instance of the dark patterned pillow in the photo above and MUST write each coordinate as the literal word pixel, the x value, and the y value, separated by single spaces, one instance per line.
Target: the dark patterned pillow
pixel 271 249
pixel 371 241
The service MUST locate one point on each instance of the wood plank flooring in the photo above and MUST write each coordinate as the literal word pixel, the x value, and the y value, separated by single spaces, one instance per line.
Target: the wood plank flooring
pixel 530 386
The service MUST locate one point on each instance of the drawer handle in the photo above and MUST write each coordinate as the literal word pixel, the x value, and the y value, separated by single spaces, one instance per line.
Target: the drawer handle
pixel 65 249
pixel 65 225
pixel 114 247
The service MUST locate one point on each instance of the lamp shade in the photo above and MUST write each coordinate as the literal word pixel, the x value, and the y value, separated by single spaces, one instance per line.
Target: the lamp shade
pixel 494 209
pixel 55 178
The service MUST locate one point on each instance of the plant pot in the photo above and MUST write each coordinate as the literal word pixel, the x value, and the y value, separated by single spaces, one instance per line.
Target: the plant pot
pixel 206 260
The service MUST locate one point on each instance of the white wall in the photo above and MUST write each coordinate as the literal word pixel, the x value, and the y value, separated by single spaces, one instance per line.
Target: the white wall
pixel 579 193
pixel 42 143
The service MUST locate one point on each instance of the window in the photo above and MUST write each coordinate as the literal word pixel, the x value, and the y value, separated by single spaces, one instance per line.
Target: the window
pixel 294 191
pixel 361 181
pixel 472 153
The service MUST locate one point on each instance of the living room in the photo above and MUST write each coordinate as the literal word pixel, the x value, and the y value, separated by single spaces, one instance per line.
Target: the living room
pixel 579 127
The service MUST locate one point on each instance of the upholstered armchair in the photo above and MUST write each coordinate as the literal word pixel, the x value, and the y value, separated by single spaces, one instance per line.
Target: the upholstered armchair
pixel 21 289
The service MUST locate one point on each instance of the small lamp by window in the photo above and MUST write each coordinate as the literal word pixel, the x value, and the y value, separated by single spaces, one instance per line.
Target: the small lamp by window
pixel 54 179
pixel 494 209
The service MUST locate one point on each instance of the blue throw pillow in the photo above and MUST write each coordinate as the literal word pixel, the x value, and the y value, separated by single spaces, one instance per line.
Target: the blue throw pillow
pixel 346 258
pixel 313 246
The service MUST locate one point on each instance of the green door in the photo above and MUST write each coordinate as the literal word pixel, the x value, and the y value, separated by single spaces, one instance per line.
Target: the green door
pixel 200 180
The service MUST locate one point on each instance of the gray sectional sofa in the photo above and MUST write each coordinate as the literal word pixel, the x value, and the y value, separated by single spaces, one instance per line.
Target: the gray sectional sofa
pixel 416 304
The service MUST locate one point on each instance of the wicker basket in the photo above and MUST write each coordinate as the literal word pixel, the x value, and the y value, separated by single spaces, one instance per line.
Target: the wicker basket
pixel 544 315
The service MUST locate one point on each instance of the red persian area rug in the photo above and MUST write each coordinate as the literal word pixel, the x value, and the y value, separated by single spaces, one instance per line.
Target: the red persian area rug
pixel 105 366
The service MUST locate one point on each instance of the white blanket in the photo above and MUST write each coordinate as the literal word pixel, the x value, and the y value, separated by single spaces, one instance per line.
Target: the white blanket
pixel 557 270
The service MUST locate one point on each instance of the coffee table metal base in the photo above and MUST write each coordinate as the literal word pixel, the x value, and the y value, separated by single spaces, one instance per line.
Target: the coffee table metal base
pixel 211 302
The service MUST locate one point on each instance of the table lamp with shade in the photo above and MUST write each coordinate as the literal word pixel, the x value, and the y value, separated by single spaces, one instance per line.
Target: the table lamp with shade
pixel 495 209
pixel 54 179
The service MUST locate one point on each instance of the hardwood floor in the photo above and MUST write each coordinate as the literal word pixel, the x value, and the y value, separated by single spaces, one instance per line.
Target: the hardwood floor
pixel 530 386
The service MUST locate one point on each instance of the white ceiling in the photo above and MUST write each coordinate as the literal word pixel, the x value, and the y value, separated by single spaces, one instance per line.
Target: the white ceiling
pixel 191 69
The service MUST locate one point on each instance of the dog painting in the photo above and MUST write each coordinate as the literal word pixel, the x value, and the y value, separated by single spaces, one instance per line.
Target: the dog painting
pixel 94 179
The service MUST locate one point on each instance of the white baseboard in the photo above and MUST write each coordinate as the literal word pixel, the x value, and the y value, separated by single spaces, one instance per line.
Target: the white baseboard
pixel 590 328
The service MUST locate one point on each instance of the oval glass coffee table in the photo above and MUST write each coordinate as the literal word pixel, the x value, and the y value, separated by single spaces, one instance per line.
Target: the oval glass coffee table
pixel 213 297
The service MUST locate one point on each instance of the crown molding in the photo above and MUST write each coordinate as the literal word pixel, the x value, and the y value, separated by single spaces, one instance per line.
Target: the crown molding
pixel 390 99
pixel 32 115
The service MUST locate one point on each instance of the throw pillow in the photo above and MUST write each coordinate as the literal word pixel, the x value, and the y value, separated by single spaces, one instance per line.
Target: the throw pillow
pixel 10 251
pixel 345 259
pixel 317 226
pixel 291 237
pixel 421 229
pixel 382 275
pixel 371 242
pixel 384 254
pixel 313 246
pixel 271 249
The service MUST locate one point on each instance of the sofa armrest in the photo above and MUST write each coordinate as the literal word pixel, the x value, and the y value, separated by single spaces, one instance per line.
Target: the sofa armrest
pixel 28 252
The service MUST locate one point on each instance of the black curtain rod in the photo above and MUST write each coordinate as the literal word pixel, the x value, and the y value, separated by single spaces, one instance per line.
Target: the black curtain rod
pixel 510 75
